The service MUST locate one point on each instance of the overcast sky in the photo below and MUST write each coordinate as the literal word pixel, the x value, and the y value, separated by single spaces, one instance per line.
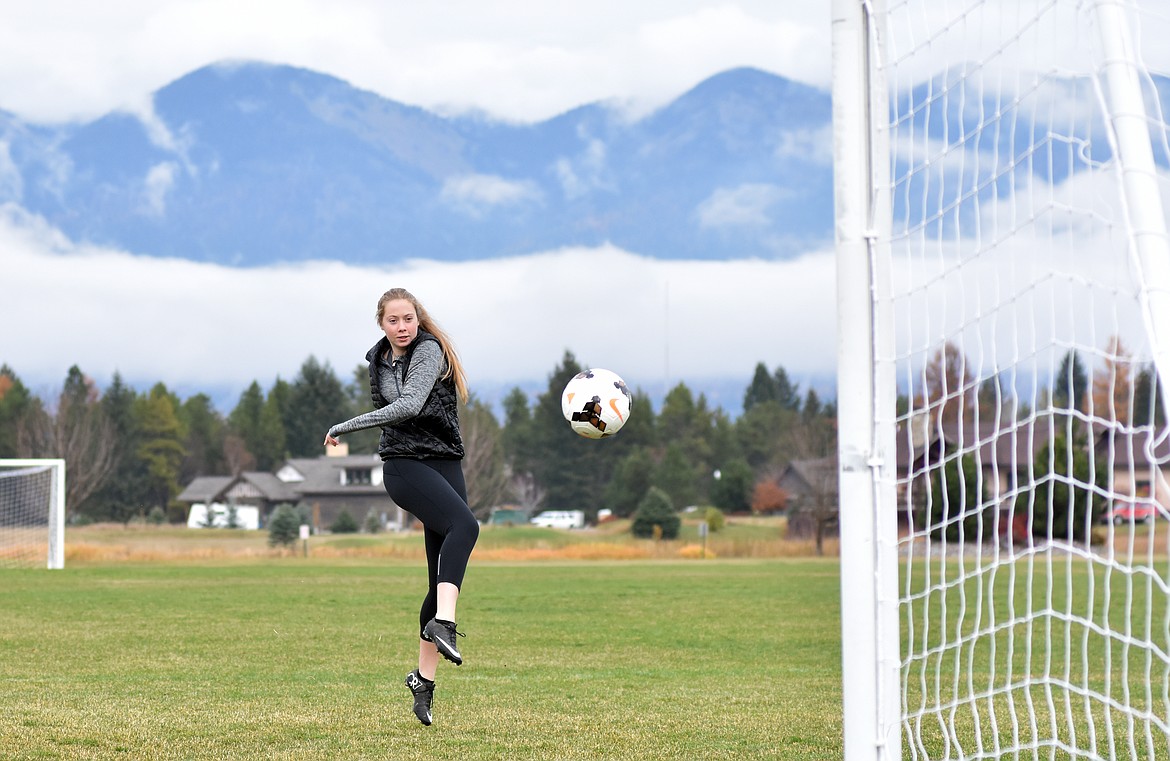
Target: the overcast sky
pixel 196 325
pixel 193 325
pixel 516 59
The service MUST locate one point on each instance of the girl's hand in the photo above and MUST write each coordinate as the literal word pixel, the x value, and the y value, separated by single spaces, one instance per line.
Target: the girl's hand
pixel 330 441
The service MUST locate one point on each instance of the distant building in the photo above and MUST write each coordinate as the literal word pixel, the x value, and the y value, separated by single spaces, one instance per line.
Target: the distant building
pixel 326 485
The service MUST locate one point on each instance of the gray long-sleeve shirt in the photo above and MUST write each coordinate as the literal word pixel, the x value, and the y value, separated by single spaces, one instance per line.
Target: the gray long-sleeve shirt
pixel 404 396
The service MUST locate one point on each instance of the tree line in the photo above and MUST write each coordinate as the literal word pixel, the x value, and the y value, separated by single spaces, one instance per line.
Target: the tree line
pixel 129 453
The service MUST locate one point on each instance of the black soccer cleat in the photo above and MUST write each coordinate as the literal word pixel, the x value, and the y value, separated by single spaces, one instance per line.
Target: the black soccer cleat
pixel 424 693
pixel 443 636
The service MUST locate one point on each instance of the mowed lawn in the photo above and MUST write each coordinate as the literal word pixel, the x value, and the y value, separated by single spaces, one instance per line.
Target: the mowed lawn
pixel 294 658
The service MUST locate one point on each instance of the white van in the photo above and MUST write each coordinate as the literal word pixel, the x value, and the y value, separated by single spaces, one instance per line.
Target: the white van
pixel 560 519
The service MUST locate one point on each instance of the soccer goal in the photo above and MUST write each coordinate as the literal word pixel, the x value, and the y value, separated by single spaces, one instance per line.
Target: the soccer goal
pixel 32 513
pixel 1004 332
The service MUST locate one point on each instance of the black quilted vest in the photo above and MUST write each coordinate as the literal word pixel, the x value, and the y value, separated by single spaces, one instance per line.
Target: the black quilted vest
pixel 434 432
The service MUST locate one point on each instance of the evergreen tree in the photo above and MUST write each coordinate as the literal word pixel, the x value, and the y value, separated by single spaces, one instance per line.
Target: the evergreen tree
pixel 320 401
pixel 518 434
pixel 160 445
pixel 787 392
pixel 732 491
pixel 631 480
pixel 244 420
pixel 343 524
pixel 205 431
pixel 761 389
pixel 571 470
pixel 123 494
pixel 1147 405
pixel 270 447
pixel 1070 385
pixel 284 525
pixel 676 477
pixel 357 391
pixel 656 516
pixel 759 433
pixel 1066 488
pixel 641 428
pixel 688 424
pixel 812 408
pixel 955 503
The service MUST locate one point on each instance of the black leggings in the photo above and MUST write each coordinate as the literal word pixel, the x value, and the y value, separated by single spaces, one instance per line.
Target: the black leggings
pixel 433 491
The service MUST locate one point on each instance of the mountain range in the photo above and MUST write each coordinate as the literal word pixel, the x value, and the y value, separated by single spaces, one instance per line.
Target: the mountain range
pixel 248 164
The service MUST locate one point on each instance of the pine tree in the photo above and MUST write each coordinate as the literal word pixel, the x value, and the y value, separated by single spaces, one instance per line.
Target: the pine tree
pixel 205 431
pixel 244 422
pixel 732 491
pixel 676 476
pixel 655 511
pixel 123 494
pixel 631 480
pixel 1070 385
pixel 787 392
pixel 357 391
pixel 160 445
pixel 320 401
pixel 761 389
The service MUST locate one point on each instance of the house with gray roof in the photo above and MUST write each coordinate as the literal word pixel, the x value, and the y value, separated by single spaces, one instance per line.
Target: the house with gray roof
pixel 326 485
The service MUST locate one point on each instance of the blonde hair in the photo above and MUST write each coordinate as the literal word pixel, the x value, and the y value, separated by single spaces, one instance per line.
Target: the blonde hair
pixel 427 323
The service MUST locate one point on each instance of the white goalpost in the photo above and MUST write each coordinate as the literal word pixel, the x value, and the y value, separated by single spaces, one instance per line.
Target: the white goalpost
pixel 1002 174
pixel 32 513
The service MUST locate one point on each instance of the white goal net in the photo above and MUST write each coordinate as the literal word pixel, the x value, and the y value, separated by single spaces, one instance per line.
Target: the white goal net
pixel 1004 308
pixel 32 513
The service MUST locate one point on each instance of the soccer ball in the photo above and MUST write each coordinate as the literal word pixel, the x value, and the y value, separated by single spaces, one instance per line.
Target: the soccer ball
pixel 596 403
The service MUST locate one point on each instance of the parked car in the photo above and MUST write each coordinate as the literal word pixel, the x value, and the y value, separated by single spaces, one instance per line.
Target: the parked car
pixel 1138 512
pixel 560 519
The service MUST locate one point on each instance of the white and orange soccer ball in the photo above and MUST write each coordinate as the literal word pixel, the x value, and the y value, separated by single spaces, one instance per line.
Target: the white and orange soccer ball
pixel 596 403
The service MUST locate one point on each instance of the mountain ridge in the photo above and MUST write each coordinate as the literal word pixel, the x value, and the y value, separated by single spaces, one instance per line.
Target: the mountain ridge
pixel 249 164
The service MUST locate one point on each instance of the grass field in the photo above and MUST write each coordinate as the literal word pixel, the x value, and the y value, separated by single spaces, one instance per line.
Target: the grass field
pixel 241 656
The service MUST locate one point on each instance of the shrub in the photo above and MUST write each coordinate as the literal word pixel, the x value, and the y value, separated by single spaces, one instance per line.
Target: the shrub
pixel 714 518
pixel 344 524
pixel 284 526
pixel 768 497
pixel 655 516
pixel 373 522
pixel 157 516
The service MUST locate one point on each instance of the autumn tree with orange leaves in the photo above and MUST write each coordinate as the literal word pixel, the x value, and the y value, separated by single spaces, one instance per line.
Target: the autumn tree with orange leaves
pixel 949 389
pixel 1113 384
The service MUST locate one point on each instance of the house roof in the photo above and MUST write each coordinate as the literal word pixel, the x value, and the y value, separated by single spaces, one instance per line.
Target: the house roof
pixel 204 489
pixel 214 488
pixel 322 475
pixel 1140 447
pixel 806 476
pixel 1005 441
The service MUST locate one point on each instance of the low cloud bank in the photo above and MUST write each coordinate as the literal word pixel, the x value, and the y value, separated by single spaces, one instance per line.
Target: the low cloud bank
pixel 194 325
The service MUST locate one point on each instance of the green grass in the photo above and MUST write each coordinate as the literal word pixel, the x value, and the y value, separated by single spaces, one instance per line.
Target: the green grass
pixel 289 658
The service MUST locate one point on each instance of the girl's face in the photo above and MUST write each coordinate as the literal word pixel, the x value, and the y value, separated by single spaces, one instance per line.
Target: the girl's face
pixel 400 324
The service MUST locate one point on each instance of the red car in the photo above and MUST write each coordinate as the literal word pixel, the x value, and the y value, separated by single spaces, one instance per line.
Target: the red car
pixel 1138 512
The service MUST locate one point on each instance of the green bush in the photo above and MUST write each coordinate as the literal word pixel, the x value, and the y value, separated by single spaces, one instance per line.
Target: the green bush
pixel 157 516
pixel 373 523
pixel 344 524
pixel 714 518
pixel 655 517
pixel 284 526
